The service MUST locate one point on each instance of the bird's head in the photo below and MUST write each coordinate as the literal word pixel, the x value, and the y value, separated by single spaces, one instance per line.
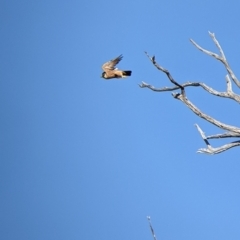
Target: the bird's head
pixel 103 75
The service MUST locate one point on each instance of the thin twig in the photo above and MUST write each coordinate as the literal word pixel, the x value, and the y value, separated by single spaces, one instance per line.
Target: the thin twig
pixel 229 94
pixel 224 135
pixel 203 136
pixel 221 58
pixel 153 60
pixel 210 149
pixel 151 228
pixel 212 35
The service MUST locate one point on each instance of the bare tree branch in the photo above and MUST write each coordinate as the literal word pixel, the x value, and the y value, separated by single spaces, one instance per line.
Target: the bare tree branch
pixel 151 228
pixel 232 130
pixel 224 135
pixel 152 59
pixel 229 94
pixel 212 35
pixel 210 149
pixel 205 116
pixel 221 58
pixel 187 102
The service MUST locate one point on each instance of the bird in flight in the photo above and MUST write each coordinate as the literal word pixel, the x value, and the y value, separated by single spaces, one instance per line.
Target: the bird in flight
pixel 110 71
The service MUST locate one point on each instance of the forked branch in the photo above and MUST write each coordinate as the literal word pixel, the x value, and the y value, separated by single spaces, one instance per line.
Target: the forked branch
pixel 210 149
pixel 232 131
pixel 221 58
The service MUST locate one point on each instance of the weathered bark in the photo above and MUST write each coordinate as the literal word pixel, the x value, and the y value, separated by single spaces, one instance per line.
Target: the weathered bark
pixel 232 131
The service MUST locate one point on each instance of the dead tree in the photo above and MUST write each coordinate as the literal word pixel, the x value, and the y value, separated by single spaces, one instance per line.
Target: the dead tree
pixel 230 131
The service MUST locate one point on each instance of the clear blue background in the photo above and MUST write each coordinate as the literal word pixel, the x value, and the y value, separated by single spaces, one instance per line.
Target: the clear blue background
pixel 85 158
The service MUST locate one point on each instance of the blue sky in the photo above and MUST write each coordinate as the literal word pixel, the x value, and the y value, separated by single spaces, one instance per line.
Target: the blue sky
pixel 85 158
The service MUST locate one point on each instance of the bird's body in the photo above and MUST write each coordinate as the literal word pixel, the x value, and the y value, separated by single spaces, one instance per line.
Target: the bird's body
pixel 111 72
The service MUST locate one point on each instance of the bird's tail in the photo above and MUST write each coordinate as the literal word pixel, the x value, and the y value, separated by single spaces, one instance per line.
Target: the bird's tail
pixel 127 73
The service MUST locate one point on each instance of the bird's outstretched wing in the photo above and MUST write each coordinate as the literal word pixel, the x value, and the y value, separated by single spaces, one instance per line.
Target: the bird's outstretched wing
pixel 111 64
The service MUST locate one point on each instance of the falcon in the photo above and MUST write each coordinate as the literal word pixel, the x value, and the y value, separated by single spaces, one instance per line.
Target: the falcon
pixel 110 71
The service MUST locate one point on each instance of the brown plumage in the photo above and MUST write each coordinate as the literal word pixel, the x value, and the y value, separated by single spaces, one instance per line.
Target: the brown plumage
pixel 111 72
